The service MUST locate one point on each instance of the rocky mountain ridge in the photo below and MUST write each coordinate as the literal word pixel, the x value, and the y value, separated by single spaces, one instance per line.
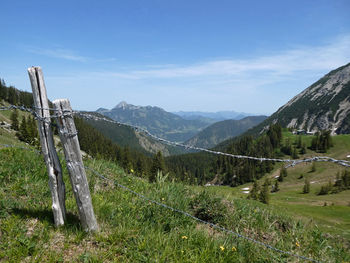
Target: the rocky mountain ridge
pixel 156 120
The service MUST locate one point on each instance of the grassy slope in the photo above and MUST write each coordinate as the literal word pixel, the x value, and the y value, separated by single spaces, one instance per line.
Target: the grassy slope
pixel 333 218
pixel 136 231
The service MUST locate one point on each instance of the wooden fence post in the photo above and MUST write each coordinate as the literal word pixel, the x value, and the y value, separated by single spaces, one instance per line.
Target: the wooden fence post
pixel 71 147
pixel 53 165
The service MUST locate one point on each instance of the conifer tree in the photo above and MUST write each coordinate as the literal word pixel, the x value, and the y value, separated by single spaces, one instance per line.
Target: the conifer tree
pixel 14 120
pixel 275 187
pixel 157 166
pixel 264 196
pixel 23 131
pixel 306 188
pixel 254 193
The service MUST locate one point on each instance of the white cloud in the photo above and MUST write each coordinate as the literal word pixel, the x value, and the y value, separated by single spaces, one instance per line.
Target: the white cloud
pixel 59 53
pixel 282 63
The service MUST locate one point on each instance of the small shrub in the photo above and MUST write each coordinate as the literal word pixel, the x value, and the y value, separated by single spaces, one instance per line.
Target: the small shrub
pixel 325 189
pixel 208 208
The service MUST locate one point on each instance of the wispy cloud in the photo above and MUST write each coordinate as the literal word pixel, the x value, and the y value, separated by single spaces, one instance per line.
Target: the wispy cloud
pixel 59 53
pixel 286 62
pixel 260 84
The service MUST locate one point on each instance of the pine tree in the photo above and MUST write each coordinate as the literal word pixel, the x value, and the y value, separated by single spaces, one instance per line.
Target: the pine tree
pixel 275 187
pixel 14 120
pixel 294 153
pixel 264 196
pixel 283 173
pixel 23 131
pixel 126 161
pixel 254 193
pixel 140 167
pixel 158 165
pixel 306 188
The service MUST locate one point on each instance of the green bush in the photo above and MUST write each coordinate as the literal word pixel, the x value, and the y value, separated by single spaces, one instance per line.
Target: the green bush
pixel 208 208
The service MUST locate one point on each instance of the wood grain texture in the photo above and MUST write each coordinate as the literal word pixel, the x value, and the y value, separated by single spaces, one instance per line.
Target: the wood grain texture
pixel 71 147
pixel 53 165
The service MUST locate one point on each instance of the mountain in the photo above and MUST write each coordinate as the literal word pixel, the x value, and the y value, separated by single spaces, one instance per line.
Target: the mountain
pixel 156 120
pixel 216 116
pixel 223 130
pixel 126 136
pixel 325 105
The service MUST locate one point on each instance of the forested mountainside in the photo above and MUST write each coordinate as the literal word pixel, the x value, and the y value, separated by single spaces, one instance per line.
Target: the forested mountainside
pixel 223 130
pixel 156 120
pixel 325 105
pixel 127 137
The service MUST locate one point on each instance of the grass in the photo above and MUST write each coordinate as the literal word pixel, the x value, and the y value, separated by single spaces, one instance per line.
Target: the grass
pixel 334 218
pixel 132 230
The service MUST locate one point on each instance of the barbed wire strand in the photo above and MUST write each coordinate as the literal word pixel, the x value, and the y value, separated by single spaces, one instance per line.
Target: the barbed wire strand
pixel 261 159
pixel 67 113
pixel 198 219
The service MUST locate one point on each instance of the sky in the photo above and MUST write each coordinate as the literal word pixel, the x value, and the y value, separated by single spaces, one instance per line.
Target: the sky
pixel 189 55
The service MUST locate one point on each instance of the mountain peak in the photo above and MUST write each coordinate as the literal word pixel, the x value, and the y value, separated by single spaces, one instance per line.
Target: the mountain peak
pixel 123 104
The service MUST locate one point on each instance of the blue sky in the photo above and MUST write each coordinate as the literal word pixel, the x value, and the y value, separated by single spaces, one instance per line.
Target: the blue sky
pixel 248 56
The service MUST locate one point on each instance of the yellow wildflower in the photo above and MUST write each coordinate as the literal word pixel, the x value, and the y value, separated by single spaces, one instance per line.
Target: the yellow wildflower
pixel 297 244
pixel 222 248
pixel 163 199
pixel 234 249
pixel 184 237
pixel 132 170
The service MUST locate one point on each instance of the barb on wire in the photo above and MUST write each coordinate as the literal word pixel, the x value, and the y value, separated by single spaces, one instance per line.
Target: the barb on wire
pixel 261 159
pixel 198 219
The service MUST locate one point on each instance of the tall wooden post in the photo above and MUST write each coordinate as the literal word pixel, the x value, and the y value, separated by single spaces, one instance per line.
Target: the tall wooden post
pixel 53 165
pixel 71 147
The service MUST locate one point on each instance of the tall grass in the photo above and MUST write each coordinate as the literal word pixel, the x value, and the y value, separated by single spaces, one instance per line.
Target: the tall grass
pixel 133 230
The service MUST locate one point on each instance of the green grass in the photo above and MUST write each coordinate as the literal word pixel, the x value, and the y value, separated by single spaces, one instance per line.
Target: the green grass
pixel 132 230
pixel 333 219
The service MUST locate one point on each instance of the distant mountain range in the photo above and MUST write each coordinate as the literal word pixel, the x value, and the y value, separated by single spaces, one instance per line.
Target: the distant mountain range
pixel 157 121
pixel 223 130
pixel 127 137
pixel 217 116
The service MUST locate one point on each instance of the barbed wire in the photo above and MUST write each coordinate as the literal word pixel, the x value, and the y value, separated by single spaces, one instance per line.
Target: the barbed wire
pixel 68 113
pixel 145 198
pixel 31 111
pixel 261 159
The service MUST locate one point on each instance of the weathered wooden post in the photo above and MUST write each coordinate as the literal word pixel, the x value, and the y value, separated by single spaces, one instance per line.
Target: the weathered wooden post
pixel 71 147
pixel 53 165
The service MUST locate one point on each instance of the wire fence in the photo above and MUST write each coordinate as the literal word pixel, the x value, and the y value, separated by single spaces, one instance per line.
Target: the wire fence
pixel 290 162
pixel 215 226
pixel 261 159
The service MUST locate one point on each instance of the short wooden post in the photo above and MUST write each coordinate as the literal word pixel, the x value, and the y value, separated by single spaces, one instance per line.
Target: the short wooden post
pixel 71 147
pixel 53 165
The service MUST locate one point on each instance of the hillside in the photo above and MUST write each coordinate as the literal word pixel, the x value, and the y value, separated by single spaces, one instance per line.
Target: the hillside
pixel 126 136
pixel 156 120
pixel 325 105
pixel 223 130
pixel 135 230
